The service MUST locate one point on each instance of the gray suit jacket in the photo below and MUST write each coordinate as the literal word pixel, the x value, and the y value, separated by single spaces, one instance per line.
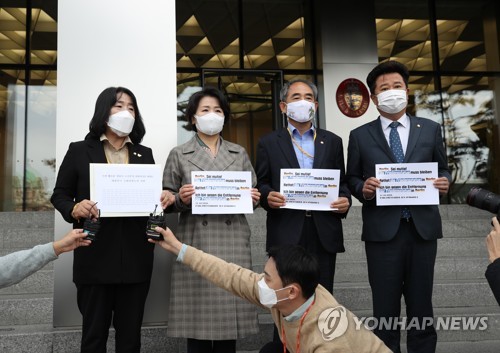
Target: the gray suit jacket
pixel 367 147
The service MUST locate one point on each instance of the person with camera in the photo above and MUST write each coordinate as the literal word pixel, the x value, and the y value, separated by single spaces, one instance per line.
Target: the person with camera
pixel 493 270
pixel 113 275
pixel 308 317
pixel 21 264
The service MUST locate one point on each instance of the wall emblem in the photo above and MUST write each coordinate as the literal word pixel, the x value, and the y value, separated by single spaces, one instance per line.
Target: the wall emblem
pixel 352 98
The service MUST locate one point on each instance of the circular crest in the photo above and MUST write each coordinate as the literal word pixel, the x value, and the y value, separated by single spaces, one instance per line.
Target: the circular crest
pixel 352 98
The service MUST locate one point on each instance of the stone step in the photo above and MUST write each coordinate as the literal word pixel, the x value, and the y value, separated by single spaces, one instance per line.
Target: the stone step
pixel 446 268
pixel 452 293
pixel 27 310
pixel 27 220
pixel 458 221
pixel 34 309
pixel 24 238
pixel 40 282
pixel 45 339
pixel 462 228
pixel 459 247
pixel 447 247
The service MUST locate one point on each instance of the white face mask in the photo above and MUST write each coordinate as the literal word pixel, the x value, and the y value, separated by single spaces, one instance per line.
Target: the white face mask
pixel 301 111
pixel 121 123
pixel 267 296
pixel 210 123
pixel 392 101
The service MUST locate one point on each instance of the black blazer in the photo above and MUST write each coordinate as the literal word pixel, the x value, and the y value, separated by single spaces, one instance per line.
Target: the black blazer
pixel 284 226
pixel 367 147
pixel 121 253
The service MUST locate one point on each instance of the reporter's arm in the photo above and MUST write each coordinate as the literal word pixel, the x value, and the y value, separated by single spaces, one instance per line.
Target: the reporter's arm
pixel 231 277
pixel 19 265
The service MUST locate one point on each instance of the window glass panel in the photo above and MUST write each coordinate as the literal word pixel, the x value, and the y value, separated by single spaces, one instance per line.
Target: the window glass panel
pixel 12 127
pixel 40 147
pixel 277 35
pixel 187 84
pixel 419 85
pixel 44 34
pixel 12 35
pixel 207 34
pixel 471 136
pixel 467 35
pixel 403 33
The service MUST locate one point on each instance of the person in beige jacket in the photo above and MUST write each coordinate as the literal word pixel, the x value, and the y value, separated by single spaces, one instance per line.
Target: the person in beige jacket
pixel 308 317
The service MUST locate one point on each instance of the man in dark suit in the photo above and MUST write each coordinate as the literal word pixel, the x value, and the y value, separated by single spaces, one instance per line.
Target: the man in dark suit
pixel 301 145
pixel 400 242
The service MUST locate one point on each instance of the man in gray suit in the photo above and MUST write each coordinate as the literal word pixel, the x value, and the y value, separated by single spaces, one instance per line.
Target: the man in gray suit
pixel 400 241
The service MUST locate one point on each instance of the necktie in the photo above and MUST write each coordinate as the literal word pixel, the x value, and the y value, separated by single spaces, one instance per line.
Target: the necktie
pixel 397 150
pixel 395 142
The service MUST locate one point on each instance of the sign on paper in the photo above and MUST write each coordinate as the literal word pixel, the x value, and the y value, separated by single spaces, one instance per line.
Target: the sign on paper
pixel 407 184
pixel 221 192
pixel 125 190
pixel 310 189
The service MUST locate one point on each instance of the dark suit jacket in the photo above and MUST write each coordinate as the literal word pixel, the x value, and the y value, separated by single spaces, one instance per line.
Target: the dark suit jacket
pixel 367 147
pixel 284 226
pixel 121 253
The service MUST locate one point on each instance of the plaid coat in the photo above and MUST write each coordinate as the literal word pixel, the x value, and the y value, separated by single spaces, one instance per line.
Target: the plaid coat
pixel 199 309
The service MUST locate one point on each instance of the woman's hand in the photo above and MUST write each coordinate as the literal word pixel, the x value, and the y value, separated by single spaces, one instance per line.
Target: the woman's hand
pixel 186 192
pixel 166 199
pixel 84 209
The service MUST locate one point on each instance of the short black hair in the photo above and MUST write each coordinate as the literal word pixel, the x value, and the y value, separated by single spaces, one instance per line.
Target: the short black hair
pixel 195 99
pixel 286 87
pixel 387 67
pixel 296 265
pixel 106 100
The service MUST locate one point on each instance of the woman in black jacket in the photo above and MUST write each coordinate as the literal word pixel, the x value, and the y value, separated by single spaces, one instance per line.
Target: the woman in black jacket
pixel 112 275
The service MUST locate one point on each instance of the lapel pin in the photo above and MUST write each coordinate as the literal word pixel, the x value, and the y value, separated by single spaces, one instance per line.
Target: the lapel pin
pixel 418 125
pixel 139 155
pixel 321 142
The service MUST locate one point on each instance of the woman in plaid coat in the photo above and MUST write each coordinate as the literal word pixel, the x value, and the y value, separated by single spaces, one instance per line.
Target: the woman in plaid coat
pixel 210 318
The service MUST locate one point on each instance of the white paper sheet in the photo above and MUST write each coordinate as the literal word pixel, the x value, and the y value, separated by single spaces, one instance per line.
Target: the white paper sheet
pixel 125 190
pixel 221 192
pixel 407 184
pixel 310 189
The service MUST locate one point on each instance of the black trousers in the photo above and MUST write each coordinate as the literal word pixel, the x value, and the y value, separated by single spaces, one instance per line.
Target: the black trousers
pixel 209 346
pixel 122 304
pixel 311 242
pixel 403 266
